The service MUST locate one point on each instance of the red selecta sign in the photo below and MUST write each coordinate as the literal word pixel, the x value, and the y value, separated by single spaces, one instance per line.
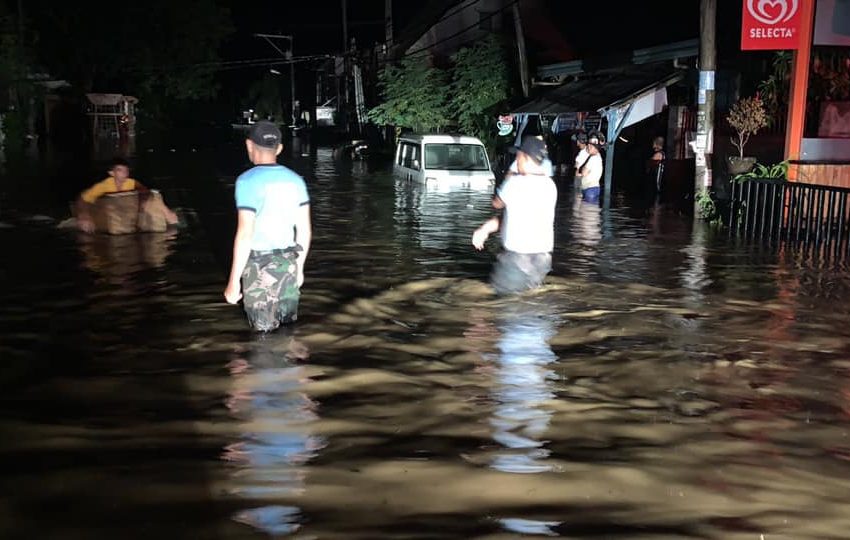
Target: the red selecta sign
pixel 771 24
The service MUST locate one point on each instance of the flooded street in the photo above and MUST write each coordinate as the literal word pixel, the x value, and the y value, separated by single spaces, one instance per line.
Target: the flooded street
pixel 665 383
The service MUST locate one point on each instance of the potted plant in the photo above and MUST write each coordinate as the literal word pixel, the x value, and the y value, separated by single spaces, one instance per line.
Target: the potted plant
pixel 747 116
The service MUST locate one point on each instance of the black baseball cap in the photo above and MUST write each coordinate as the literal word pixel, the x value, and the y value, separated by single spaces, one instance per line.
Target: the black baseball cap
pixel 118 162
pixel 535 148
pixel 265 134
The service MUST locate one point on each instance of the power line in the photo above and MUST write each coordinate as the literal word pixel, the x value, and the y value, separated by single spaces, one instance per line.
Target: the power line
pixel 278 62
pixel 236 64
pixel 226 65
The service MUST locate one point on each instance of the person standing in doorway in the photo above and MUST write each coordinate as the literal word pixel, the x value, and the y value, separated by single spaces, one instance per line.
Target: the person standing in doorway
pixel 528 199
pixel 273 234
pixel 655 163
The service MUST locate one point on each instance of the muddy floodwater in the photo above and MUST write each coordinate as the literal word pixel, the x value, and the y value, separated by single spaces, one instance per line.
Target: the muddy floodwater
pixel 665 383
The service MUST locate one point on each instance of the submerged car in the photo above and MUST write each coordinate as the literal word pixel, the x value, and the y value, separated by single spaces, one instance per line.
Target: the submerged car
pixel 443 159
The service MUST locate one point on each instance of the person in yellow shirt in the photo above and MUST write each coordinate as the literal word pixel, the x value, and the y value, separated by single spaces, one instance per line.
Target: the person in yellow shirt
pixel 118 181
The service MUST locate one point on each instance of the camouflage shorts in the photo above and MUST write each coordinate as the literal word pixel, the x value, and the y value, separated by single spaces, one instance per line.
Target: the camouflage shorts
pixel 270 289
pixel 518 272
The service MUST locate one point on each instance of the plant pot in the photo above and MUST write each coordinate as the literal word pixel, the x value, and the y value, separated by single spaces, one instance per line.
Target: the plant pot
pixel 739 165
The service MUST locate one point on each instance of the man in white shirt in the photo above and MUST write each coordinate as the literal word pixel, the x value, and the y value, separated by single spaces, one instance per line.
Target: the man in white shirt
pixel 581 157
pixel 527 225
pixel 591 172
pixel 547 164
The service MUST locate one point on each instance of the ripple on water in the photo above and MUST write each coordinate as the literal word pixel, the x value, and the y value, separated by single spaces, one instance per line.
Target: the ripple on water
pixel 663 384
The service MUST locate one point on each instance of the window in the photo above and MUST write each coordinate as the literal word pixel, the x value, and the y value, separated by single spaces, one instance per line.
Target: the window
pixel 485 20
pixel 456 157
pixel 410 156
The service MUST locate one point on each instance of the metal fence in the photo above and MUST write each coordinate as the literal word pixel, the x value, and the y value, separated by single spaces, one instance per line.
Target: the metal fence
pixel 779 212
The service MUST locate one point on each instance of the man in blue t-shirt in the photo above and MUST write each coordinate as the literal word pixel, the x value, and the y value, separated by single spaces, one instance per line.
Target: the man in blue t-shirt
pixel 272 236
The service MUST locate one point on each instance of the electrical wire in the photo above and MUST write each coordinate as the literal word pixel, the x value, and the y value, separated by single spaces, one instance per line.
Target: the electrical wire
pixel 269 62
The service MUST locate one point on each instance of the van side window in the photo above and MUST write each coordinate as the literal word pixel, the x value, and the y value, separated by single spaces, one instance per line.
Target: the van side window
pixel 411 158
pixel 402 152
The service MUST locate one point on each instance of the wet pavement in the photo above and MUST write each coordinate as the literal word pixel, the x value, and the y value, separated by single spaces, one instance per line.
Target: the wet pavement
pixel 666 383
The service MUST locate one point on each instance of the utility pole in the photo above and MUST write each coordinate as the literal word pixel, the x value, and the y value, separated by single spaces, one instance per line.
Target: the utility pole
pixel 20 23
pixel 344 26
pixel 703 146
pixel 345 65
pixel 388 23
pixel 292 78
pixel 520 43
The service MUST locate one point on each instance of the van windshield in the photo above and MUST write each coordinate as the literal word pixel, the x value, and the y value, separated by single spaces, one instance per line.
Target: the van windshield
pixel 456 157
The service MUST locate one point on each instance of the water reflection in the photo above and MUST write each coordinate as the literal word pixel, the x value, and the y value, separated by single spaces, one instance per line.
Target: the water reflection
pixel 664 384
pixel 530 526
pixel 438 214
pixel 274 444
pixel 106 148
pixel 587 229
pixel 523 386
pixel 117 256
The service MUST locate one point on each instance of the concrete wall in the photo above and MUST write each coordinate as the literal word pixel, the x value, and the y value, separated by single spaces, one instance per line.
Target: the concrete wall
pixel 464 21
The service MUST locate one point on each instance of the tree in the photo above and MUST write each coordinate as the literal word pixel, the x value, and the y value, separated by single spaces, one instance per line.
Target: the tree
pixel 14 71
pixel 415 96
pixel 480 83
pixel 152 48
pixel 264 96
pixel 747 116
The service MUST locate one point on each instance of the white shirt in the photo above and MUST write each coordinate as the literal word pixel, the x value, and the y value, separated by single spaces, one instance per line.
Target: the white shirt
pixel 581 158
pixel 546 164
pixel 529 220
pixel 594 172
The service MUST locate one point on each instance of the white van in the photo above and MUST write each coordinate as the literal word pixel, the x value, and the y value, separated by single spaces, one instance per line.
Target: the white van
pixel 443 159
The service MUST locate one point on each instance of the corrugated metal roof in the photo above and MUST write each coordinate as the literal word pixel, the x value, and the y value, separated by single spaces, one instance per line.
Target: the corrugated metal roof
pixel 601 89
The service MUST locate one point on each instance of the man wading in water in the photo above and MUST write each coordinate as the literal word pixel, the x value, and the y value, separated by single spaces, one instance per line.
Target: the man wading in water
pixel 527 224
pixel 272 236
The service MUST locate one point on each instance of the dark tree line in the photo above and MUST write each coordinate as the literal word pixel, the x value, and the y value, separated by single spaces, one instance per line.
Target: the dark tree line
pixel 145 47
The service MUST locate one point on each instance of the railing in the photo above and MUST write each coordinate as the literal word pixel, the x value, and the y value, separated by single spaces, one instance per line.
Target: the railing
pixel 780 212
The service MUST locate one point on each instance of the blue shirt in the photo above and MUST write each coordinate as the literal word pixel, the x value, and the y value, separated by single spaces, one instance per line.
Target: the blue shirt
pixel 274 193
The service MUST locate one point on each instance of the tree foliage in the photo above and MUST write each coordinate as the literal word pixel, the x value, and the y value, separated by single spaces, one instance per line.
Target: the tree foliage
pixel 156 47
pixel 479 84
pixel 466 95
pixel 14 67
pixel 11 53
pixel 415 96
pixel 265 97
pixel 829 80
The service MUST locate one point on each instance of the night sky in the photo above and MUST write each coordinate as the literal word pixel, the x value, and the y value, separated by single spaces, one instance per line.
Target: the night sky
pixel 315 24
pixel 556 30
pixel 588 27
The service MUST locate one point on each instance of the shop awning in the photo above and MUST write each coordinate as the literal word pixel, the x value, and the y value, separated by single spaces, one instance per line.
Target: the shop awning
pixel 641 85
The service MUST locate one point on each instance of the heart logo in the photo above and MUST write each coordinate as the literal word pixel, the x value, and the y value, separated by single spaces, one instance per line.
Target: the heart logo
pixel 772 11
